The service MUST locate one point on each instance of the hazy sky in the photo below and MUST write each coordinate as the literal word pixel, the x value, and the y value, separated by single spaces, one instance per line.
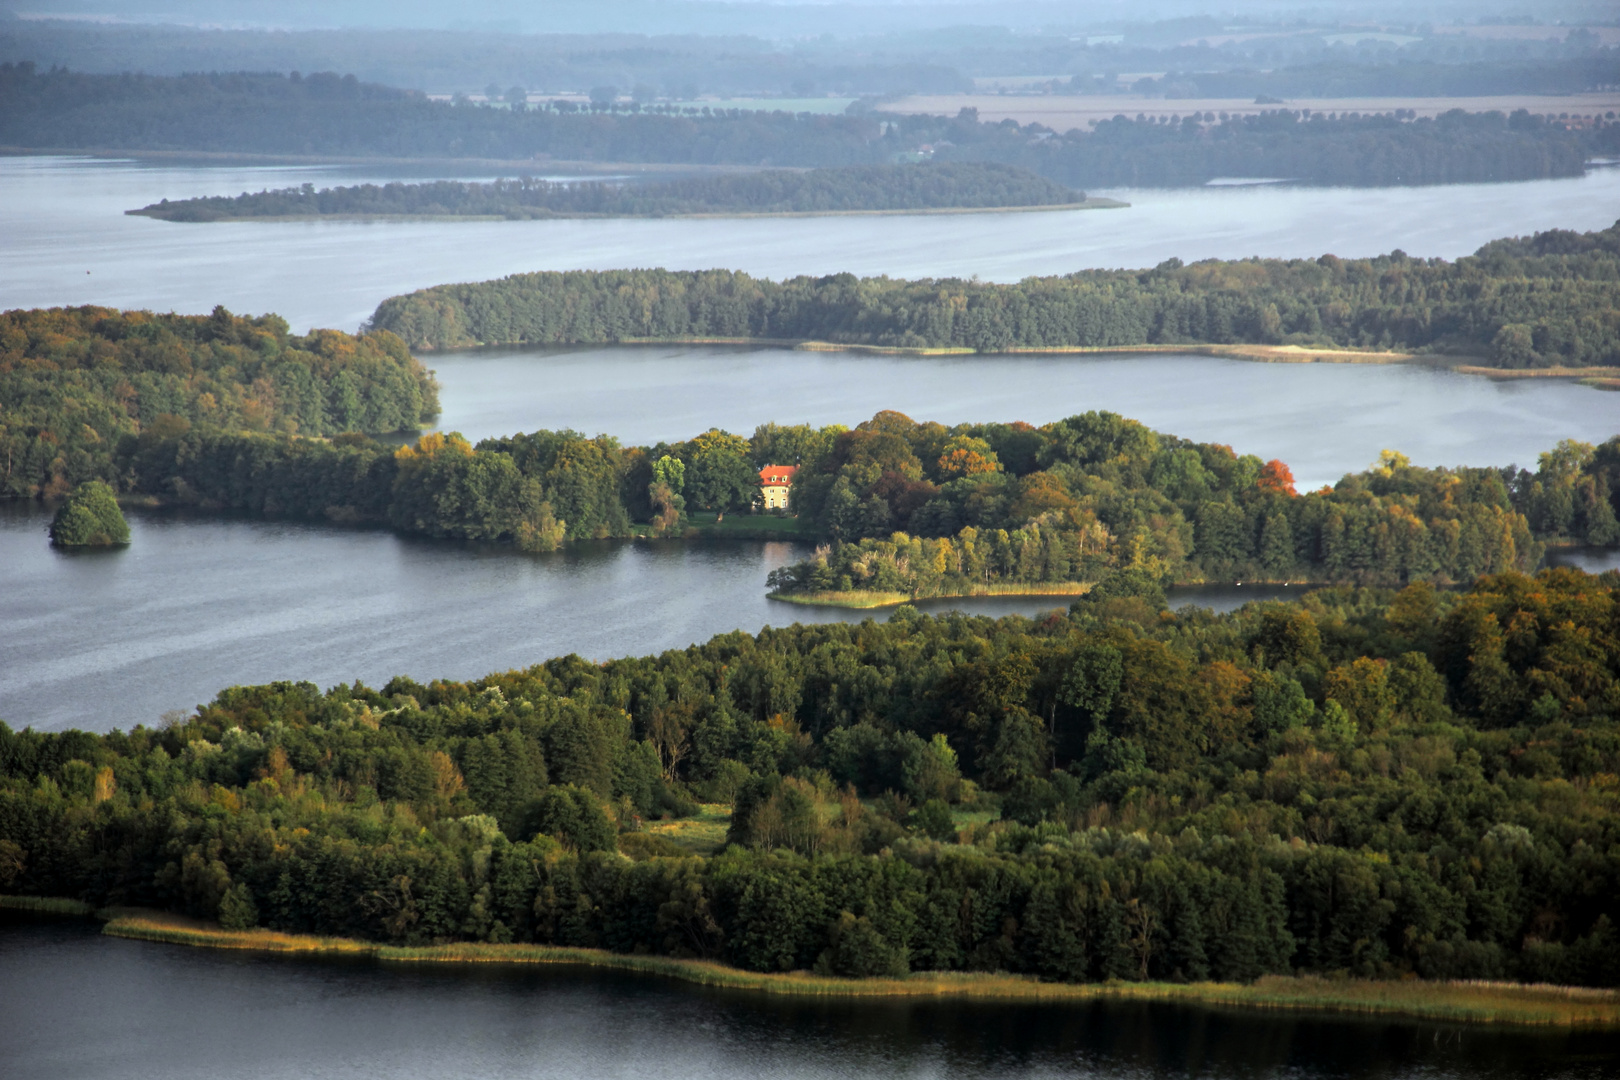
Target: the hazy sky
pixel 764 17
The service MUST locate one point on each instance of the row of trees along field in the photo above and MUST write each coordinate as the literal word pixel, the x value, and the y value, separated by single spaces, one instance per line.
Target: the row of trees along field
pixel 1364 783
pixel 1550 299
pixel 324 114
pixel 74 381
pixel 921 186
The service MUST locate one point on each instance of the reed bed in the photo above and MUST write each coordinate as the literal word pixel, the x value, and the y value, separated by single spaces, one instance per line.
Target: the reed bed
pixel 178 930
pixel 1583 373
pixel 861 599
pixel 1457 1002
pixel 46 905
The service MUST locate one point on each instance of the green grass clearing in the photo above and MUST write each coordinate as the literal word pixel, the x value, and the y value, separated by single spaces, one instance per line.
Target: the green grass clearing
pixel 704 834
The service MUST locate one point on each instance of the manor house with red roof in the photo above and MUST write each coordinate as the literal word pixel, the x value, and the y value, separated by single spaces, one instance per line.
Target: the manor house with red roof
pixel 774 482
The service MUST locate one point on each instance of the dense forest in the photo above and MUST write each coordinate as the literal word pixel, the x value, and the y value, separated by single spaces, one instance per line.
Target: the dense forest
pixel 1550 299
pixel 923 509
pixel 74 381
pixel 921 186
pixel 324 114
pixel 1364 783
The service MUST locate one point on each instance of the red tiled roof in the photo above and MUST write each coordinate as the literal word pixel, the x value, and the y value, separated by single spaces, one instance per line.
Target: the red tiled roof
pixel 776 475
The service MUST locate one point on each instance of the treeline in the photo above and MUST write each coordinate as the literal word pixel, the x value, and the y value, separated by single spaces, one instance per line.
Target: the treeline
pixel 669 58
pixel 76 381
pixel 1364 784
pixel 324 114
pixel 921 186
pixel 681 65
pixel 723 61
pixel 1550 299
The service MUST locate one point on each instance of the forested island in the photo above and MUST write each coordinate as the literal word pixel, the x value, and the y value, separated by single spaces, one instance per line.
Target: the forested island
pixel 1547 300
pixel 852 189
pixel 232 413
pixel 1367 783
pixel 327 115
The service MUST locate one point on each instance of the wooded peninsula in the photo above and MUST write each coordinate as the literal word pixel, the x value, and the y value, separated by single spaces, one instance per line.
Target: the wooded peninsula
pixel 1366 783
pixel 327 115
pixel 852 189
pixel 1547 300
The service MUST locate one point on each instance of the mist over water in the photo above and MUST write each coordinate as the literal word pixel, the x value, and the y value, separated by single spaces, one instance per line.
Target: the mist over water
pixel 68 241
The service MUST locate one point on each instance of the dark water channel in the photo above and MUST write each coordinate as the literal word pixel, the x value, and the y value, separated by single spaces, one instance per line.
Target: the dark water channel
pixel 97 1007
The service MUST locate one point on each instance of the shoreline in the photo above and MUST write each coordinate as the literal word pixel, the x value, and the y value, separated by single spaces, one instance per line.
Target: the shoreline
pixel 860 600
pixel 705 215
pixel 1265 354
pixel 1493 1003
pixel 1598 378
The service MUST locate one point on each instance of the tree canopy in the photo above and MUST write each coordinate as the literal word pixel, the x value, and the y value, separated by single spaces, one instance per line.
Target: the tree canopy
pixel 89 518
pixel 74 381
pixel 1364 783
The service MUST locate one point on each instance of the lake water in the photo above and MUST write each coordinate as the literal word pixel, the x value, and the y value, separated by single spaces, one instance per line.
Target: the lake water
pixel 196 603
pixel 1324 420
pixel 98 1007
pixel 67 241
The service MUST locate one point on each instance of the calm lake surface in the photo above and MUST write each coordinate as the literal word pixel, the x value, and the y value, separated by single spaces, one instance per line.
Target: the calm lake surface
pixel 98 1007
pixel 67 241
pixel 1323 419
pixel 196 603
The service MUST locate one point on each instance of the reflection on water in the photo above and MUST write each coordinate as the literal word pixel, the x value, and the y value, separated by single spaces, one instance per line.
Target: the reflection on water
pixel 63 217
pixel 1592 560
pixel 104 1008
pixel 1324 420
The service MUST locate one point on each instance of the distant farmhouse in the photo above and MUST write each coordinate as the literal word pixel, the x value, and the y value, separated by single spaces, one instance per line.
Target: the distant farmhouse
pixel 774 482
